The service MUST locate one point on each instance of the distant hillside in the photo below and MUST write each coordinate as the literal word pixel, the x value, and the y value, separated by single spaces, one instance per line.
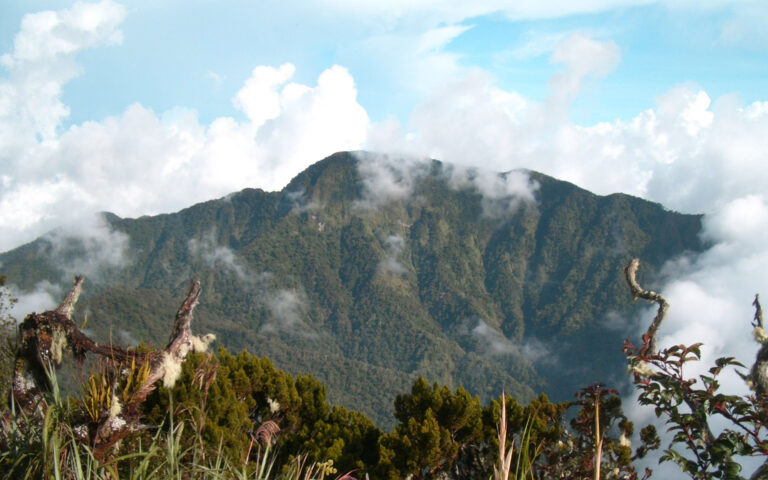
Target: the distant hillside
pixel 368 284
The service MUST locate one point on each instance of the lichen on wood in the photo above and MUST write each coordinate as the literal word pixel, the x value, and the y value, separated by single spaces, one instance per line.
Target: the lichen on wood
pixel 630 274
pixel 757 379
pixel 47 336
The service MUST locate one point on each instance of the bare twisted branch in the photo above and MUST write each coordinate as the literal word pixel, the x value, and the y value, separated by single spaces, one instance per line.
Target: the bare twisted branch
pixel 68 304
pixel 757 378
pixel 630 274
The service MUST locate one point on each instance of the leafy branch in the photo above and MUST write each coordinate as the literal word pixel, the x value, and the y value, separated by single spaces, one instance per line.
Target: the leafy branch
pixel 689 405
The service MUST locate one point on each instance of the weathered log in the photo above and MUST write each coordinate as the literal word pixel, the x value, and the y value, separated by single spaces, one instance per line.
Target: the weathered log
pixel 165 365
pixel 45 337
pixel 68 304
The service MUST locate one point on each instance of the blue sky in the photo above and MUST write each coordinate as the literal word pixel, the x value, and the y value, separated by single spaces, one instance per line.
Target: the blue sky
pixel 197 54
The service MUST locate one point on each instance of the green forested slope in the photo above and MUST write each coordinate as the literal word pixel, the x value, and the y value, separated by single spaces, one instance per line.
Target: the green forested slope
pixel 368 299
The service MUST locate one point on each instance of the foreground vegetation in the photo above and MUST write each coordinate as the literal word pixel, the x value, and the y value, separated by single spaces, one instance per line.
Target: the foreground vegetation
pixel 237 416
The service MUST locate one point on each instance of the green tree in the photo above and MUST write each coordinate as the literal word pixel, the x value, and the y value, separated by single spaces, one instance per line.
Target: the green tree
pixel 598 437
pixel 437 431
pixel 228 397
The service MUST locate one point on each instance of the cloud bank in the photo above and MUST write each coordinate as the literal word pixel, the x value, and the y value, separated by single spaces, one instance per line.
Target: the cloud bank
pixel 495 343
pixel 213 255
pixel 42 297
pixel 394 246
pixel 392 178
pixel 287 308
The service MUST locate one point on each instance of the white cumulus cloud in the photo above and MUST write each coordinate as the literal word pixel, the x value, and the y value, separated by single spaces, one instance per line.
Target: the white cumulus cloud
pixel 141 161
pixel 41 62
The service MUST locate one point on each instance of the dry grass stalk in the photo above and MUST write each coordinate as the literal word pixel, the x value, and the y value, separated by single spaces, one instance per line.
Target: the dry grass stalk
pixel 501 471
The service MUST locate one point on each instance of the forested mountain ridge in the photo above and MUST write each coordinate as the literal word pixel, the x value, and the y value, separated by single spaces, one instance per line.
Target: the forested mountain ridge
pixel 367 292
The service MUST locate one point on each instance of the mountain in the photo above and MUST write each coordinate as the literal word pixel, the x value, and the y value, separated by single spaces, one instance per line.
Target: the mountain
pixel 368 271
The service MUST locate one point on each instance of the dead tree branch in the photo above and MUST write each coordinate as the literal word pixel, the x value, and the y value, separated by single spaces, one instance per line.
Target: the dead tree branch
pixel 630 274
pixel 758 320
pixel 68 305
pixel 165 365
pixel 758 375
pixel 46 336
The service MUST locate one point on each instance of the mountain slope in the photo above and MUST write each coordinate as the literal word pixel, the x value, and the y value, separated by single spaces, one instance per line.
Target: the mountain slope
pixel 368 272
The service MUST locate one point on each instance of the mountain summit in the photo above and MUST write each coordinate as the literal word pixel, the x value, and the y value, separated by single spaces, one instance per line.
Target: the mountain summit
pixel 368 271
